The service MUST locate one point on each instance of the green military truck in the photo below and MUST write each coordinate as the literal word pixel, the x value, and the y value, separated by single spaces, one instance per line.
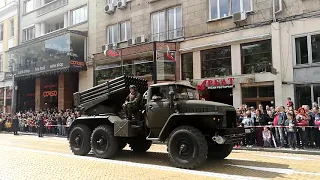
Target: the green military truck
pixel 193 130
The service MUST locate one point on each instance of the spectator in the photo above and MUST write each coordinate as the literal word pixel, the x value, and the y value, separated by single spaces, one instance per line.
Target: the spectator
pixel 302 120
pixel 316 117
pixel 259 120
pixel 279 120
pixel 291 130
pixel 248 122
pixel 266 135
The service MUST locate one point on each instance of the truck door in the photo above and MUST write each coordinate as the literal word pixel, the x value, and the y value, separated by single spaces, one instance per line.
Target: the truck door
pixel 158 107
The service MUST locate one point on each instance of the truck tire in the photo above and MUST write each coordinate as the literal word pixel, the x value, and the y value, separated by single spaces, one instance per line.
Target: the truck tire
pixel 187 147
pixel 219 151
pixel 79 140
pixel 140 145
pixel 103 143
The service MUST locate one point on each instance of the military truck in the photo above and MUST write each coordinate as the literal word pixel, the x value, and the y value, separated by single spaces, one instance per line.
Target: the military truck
pixel 193 129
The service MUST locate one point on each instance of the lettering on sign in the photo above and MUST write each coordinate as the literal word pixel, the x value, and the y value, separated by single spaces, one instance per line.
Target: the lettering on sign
pixel 77 63
pixel 56 65
pixel 196 110
pixel 30 95
pixel 50 93
pixel 49 86
pixel 216 84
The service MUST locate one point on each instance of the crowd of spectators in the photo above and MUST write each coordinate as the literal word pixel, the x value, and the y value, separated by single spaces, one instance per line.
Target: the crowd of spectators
pixel 282 126
pixel 56 122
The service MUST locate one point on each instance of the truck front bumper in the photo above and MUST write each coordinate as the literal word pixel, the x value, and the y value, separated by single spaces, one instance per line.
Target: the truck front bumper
pixel 232 135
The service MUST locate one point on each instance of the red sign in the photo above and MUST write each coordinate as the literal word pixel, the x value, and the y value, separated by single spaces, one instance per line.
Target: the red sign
pixel 50 93
pixel 77 63
pixel 49 86
pixel 216 84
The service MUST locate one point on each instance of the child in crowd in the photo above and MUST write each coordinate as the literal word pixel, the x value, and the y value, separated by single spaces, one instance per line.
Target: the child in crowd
pixel 266 135
pixel 291 130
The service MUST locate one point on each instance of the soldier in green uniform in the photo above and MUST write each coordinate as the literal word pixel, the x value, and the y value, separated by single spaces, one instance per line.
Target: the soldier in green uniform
pixel 132 103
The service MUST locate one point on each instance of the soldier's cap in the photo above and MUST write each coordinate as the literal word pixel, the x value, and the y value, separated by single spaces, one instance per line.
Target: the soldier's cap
pixel 132 87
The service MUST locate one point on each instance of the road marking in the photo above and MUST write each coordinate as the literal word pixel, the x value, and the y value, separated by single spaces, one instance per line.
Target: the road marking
pixel 139 165
pixel 286 157
pixel 276 170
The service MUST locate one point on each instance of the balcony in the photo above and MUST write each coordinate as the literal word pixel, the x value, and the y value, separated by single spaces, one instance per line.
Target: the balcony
pixel 51 6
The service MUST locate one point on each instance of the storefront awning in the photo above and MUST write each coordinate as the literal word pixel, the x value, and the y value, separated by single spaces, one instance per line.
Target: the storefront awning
pixel 57 52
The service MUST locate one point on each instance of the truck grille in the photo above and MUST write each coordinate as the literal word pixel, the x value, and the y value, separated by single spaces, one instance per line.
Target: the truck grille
pixel 231 119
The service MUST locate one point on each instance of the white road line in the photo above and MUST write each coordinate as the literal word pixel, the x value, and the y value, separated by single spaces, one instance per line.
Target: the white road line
pixel 286 157
pixel 138 165
pixel 276 170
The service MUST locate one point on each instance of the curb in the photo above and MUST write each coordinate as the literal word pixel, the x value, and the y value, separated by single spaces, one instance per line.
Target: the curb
pixel 283 150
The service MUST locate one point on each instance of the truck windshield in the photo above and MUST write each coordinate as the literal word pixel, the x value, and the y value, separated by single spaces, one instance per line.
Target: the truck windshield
pixel 185 92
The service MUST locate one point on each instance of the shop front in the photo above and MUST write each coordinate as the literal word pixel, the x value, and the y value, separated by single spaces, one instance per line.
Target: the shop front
pixel 155 62
pixel 236 90
pixel 46 70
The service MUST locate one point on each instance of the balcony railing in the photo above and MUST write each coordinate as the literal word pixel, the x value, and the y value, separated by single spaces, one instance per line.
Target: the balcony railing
pixel 51 6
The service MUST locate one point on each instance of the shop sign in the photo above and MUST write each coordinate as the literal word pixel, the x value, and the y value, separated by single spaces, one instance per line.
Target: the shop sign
pixel 50 93
pixel 50 86
pixel 30 94
pixel 216 84
pixel 74 63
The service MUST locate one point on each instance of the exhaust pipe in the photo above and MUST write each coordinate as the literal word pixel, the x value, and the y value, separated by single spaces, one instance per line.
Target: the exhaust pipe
pixel 219 139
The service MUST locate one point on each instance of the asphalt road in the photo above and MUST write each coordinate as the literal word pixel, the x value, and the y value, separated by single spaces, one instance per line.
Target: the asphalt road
pixel 33 158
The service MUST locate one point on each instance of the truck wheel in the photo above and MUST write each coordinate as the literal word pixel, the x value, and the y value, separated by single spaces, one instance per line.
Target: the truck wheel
pixel 219 151
pixel 187 147
pixel 140 145
pixel 103 142
pixel 79 140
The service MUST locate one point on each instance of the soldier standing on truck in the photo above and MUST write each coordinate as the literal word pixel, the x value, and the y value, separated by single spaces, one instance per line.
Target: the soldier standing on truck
pixel 131 104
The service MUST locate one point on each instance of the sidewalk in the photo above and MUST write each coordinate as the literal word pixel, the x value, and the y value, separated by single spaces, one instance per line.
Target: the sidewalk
pixel 33 134
pixel 313 151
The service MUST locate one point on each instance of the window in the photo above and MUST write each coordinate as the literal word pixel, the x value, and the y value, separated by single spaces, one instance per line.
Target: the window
pixel 301 50
pixel 167 24
pixel 11 28
pixel 28 6
pixel 187 66
pixel 315 43
pixel 79 15
pixel 125 31
pixel 112 34
pixel 307 49
pixel 224 8
pixel 303 95
pixel 249 92
pixel 316 92
pixel 256 57
pixel 28 34
pixel 216 62
pixel 1 32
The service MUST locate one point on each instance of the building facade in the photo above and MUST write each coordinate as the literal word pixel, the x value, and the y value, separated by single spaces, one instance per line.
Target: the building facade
pixel 8 39
pixel 52 52
pixel 243 52
pixel 133 30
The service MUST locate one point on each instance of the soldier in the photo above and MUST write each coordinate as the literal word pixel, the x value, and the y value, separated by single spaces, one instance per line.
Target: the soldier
pixel 132 103
pixel 40 124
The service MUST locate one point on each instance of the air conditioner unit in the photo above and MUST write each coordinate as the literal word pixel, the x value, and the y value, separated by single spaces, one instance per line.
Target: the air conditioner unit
pixel 140 39
pixel 122 4
pixel 131 41
pixel 109 9
pixel 239 16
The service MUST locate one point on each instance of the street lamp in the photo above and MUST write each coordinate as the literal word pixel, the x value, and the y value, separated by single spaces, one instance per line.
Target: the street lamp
pixel 13 87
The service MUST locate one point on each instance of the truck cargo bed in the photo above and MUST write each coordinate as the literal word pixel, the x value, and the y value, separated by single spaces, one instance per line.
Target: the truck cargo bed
pixel 110 94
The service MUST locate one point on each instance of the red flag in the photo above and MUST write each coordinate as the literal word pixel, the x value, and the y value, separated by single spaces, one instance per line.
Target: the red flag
pixel 111 53
pixel 169 55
